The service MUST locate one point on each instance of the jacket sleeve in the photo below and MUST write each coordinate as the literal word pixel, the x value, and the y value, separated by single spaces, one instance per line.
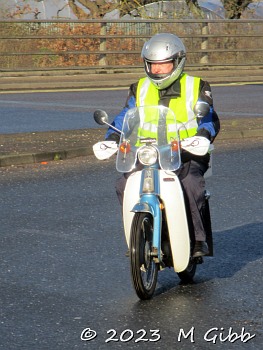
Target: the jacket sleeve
pixel 111 134
pixel 209 125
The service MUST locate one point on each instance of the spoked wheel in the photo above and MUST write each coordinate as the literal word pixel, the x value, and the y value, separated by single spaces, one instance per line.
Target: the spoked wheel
pixel 143 268
pixel 187 275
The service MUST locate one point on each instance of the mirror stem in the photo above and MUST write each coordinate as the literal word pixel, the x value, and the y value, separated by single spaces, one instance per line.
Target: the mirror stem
pixel 113 127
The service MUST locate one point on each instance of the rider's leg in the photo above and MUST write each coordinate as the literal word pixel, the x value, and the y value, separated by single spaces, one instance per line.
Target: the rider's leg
pixel 120 186
pixel 194 186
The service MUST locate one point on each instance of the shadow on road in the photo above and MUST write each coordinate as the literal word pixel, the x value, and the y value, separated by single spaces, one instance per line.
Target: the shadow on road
pixel 236 248
pixel 233 250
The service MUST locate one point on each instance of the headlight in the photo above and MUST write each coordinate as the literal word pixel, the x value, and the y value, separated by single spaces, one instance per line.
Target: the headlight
pixel 147 155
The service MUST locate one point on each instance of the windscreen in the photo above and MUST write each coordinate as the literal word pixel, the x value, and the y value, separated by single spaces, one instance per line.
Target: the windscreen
pixel 152 125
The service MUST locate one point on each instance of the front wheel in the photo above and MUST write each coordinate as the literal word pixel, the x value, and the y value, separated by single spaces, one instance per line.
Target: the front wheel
pixel 187 275
pixel 143 268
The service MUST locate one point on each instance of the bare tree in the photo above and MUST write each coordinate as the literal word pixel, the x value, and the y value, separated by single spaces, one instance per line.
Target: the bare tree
pixel 96 9
pixel 234 8
pixel 92 9
pixel 17 11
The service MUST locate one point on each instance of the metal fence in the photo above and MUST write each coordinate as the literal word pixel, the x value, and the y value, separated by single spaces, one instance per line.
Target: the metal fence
pixel 105 44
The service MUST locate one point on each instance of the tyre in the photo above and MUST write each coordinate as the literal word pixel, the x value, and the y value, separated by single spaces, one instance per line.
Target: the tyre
pixel 144 270
pixel 187 275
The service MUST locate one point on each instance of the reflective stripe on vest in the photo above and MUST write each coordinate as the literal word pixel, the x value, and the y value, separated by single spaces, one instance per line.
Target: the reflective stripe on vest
pixel 148 95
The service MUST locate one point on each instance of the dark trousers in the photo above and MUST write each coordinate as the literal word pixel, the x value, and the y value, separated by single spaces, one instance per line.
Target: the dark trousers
pixel 193 184
pixel 191 175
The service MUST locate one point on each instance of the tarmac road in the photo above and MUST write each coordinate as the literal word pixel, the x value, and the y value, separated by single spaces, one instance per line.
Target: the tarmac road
pixel 64 270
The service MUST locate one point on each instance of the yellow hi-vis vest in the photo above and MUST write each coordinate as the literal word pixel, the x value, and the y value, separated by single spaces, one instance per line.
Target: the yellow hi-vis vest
pixel 148 95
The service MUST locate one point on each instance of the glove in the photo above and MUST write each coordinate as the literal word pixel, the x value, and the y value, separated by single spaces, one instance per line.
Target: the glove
pixel 105 149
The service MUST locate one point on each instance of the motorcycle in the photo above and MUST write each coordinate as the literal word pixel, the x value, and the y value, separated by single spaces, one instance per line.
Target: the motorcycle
pixel 155 215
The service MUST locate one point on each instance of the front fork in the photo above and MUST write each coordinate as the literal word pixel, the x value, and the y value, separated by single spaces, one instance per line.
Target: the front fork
pixel 149 203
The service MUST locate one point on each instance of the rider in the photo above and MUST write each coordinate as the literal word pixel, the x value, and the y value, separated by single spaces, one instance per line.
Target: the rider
pixel 166 84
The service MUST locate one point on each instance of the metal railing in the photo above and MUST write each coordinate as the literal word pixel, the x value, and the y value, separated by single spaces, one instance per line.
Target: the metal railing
pixel 108 44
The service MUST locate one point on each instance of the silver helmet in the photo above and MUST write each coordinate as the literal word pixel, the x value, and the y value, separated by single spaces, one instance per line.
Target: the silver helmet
pixel 164 47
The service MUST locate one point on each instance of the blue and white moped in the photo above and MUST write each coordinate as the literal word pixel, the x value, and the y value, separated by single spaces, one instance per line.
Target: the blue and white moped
pixel 154 212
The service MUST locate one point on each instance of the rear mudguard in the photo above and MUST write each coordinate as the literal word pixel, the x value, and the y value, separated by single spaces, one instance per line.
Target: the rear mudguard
pixel 172 197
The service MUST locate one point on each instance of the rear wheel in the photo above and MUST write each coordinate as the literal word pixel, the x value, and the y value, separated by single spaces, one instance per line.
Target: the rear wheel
pixel 187 275
pixel 143 268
